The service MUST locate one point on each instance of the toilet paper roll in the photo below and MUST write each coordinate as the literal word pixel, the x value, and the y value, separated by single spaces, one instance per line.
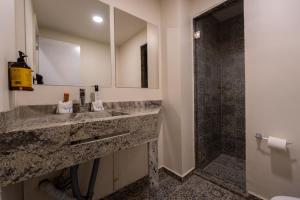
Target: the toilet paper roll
pixel 277 143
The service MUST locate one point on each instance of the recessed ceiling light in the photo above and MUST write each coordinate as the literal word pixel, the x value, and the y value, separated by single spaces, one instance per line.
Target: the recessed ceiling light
pixel 98 19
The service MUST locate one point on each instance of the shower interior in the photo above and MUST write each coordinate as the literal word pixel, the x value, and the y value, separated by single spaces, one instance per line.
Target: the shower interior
pixel 220 95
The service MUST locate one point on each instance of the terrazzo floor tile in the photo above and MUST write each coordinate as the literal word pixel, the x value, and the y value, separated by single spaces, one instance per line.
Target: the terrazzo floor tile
pixel 227 171
pixel 198 188
pixel 195 188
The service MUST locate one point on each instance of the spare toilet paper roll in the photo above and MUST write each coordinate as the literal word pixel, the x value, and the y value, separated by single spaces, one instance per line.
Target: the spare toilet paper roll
pixel 277 143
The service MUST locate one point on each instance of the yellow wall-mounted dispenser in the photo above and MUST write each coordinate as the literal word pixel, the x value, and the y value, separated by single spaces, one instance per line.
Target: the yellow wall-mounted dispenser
pixel 20 74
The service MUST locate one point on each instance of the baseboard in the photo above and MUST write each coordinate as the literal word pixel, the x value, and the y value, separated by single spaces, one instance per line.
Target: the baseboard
pixel 181 178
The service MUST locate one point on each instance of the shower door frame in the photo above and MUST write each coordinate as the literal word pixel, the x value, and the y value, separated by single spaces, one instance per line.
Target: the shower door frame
pixel 196 17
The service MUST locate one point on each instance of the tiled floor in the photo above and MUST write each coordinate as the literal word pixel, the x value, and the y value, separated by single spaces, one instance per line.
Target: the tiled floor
pixel 171 189
pixel 226 171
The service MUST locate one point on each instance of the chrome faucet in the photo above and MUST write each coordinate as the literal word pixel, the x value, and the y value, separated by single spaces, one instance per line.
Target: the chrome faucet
pixel 82 97
pixel 83 106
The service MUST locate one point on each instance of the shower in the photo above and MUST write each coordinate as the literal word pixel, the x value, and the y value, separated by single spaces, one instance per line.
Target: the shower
pixel 219 59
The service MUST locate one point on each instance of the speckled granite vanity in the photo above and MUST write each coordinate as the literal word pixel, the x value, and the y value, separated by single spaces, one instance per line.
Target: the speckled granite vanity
pixel 34 141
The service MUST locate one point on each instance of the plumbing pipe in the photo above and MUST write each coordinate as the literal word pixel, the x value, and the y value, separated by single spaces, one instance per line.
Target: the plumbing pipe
pixel 75 184
pixel 52 191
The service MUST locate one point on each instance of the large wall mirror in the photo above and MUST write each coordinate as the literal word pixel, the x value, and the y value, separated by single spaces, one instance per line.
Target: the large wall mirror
pixel 136 52
pixel 68 41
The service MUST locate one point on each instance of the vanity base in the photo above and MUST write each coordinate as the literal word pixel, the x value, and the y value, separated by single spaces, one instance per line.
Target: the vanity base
pixel 33 147
pixel 153 164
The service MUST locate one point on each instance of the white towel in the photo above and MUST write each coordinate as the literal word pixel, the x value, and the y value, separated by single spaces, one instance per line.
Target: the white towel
pixel 97 106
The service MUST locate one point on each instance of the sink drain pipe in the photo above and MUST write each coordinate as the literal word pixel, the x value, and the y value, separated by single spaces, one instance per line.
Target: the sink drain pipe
pixel 54 192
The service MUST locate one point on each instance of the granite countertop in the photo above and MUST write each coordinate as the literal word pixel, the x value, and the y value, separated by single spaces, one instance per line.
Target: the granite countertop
pixel 35 141
pixel 44 116
pixel 55 120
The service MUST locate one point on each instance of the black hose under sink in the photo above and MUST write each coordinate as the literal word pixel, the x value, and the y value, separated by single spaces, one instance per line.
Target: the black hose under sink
pixel 75 183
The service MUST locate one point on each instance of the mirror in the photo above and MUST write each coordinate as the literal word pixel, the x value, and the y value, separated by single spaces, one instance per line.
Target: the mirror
pixel 136 47
pixel 68 41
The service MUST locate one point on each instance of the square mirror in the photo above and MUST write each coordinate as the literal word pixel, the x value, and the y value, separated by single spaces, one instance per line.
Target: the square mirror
pixel 136 52
pixel 68 42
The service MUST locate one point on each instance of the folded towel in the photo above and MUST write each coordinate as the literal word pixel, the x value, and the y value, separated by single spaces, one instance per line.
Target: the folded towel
pixel 97 106
pixel 64 107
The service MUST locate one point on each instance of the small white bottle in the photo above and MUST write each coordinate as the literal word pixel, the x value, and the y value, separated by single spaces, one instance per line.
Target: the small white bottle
pixel 97 93
pixel 97 104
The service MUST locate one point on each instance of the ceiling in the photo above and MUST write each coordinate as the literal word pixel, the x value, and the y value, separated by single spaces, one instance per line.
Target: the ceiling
pixel 74 17
pixel 126 26
pixel 229 12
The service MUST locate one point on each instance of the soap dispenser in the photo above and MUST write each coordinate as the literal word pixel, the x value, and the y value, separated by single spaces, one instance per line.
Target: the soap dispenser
pixel 20 77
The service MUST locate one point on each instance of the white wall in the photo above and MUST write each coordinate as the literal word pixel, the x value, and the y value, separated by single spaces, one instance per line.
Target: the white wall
pixel 95 58
pixel 187 84
pixel 7 50
pixel 8 40
pixel 30 32
pixel 128 61
pixel 59 62
pixel 272 29
pixel 106 94
pixel 148 10
pixel 20 25
pixel 171 86
pixel 197 7
pixel 178 137
pixel 153 55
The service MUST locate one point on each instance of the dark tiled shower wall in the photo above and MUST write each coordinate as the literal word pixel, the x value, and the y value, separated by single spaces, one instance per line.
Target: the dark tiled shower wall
pixel 207 92
pixel 232 57
pixel 219 89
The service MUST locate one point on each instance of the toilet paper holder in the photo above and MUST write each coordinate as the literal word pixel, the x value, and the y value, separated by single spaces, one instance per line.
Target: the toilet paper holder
pixel 261 137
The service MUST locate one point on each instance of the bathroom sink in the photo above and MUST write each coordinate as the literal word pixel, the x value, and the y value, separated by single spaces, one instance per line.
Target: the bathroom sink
pixel 36 141
pixel 54 119
pixel 101 114
pixel 117 113
pixel 84 116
